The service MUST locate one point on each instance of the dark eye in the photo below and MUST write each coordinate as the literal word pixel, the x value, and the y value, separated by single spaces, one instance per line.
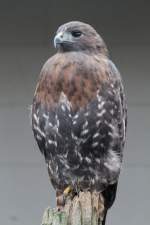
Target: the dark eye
pixel 76 33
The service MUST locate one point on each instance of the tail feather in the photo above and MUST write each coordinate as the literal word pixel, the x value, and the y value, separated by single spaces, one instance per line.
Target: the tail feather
pixel 104 220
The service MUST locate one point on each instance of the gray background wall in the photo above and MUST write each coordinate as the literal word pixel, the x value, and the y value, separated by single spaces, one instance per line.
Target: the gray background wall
pixel 26 32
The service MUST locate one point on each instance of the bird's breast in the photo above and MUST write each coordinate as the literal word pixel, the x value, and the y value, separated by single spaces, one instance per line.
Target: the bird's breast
pixel 75 75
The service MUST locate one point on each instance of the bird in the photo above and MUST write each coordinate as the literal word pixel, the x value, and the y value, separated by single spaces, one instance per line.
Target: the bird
pixel 79 114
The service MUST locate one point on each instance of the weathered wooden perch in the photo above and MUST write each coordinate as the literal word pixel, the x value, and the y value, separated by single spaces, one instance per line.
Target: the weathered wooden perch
pixel 85 209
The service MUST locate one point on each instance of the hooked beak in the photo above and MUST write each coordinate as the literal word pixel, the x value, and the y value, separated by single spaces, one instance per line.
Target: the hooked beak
pixel 62 38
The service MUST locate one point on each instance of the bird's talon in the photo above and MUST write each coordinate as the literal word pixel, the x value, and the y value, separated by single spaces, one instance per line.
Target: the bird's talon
pixel 67 190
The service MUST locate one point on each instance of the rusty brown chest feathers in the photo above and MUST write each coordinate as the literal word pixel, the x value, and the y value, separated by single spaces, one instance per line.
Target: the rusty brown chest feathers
pixel 77 75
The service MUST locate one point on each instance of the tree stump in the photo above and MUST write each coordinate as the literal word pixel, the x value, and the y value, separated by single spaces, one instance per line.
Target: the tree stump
pixel 85 209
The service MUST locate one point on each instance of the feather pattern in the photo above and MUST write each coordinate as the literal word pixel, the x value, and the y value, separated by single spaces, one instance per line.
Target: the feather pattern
pixel 79 114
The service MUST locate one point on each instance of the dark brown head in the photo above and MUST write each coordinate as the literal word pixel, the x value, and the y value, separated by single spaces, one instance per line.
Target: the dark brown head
pixel 78 36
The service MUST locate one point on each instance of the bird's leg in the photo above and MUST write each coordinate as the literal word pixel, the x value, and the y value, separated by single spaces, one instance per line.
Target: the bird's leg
pixel 67 190
pixel 61 197
pixel 72 189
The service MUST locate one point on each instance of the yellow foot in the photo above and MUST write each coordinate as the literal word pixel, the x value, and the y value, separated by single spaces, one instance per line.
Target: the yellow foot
pixel 67 190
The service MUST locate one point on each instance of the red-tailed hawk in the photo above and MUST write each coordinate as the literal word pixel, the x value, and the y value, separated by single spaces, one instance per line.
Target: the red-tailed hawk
pixel 79 114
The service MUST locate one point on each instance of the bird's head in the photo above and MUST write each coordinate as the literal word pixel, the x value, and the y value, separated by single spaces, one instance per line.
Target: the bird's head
pixel 78 36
